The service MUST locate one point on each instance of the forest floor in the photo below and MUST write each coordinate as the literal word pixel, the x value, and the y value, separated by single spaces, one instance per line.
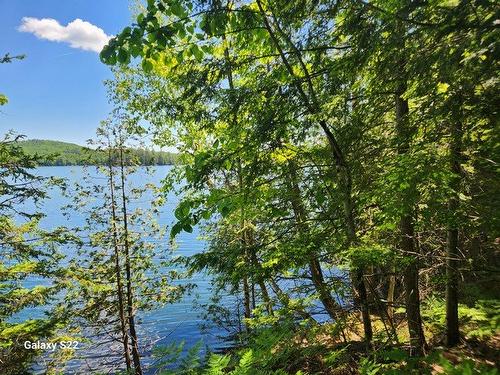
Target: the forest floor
pixel 326 350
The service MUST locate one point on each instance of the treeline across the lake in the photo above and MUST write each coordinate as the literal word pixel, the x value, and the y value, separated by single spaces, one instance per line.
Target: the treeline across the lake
pixel 56 153
pixel 341 158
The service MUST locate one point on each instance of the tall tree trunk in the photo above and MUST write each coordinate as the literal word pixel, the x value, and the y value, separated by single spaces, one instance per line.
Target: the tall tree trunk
pixel 119 287
pixel 254 302
pixel 130 294
pixel 260 281
pixel 417 339
pixel 331 306
pixel 390 294
pixel 406 228
pixel 325 297
pixel 312 105
pixel 404 132
pixel 265 296
pixel 248 290
pixel 452 253
pixel 358 274
pixel 246 300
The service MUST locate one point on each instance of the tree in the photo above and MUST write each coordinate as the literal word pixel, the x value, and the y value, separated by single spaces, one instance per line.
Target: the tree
pixel 116 273
pixel 30 270
pixel 7 58
pixel 357 91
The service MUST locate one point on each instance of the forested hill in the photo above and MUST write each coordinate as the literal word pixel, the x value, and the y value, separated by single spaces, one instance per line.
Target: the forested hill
pixel 64 153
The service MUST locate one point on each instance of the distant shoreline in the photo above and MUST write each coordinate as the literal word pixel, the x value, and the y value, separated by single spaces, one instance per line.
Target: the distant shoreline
pixel 101 165
pixel 57 153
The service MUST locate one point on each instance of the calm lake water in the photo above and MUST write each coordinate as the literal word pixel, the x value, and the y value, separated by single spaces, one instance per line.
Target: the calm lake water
pixel 173 323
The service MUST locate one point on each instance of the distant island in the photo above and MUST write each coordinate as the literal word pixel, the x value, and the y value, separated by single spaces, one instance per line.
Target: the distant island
pixel 63 153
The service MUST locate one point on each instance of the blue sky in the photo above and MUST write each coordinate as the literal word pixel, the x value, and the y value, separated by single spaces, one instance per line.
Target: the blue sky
pixel 56 92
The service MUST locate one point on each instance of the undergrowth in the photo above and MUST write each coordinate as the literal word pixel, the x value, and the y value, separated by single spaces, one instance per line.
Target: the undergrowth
pixel 288 348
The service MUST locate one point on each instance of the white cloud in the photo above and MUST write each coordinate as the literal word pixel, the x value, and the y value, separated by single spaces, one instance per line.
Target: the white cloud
pixel 78 33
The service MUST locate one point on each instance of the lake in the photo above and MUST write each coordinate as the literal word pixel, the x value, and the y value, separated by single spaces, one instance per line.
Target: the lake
pixel 176 322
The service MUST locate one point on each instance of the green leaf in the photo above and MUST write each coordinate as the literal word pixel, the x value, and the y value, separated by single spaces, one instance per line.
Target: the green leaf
pixel 207 49
pixel 107 55
pixel 126 31
pixel 206 214
pixel 181 31
pixel 161 40
pixel 176 229
pixel 147 65
pixel 140 19
pixel 123 56
pixel 203 24
pixel 3 99
pixel 152 6
pixel 182 210
pixel 225 210
pixel 179 57
pixel 196 52
pixel 136 50
pixel 136 35
pixel 187 228
pixel 177 10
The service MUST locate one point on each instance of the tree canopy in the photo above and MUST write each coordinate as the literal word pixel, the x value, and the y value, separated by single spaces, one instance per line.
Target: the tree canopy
pixel 341 160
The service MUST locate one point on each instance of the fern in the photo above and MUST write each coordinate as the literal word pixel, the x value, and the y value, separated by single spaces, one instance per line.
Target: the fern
pixel 190 363
pixel 246 363
pixel 166 356
pixel 217 364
